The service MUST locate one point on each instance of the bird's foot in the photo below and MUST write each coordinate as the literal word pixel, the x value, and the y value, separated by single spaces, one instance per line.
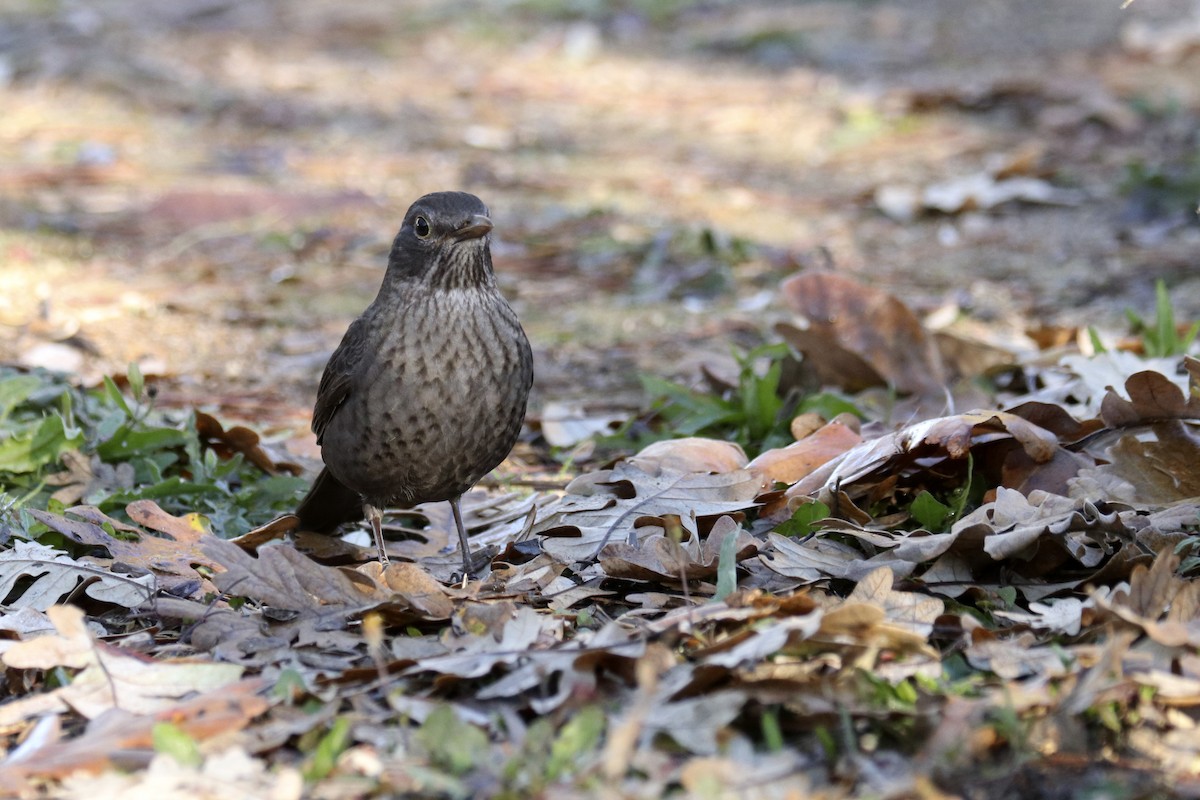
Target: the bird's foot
pixel 374 516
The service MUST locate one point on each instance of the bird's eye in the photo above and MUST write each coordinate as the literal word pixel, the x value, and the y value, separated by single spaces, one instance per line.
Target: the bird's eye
pixel 421 227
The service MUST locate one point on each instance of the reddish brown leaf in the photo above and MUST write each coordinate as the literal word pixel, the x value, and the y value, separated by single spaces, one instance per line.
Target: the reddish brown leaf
pixel 239 440
pixel 172 555
pixel 845 315
pixel 790 464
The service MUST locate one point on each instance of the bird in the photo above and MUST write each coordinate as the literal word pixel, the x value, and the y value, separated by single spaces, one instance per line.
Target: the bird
pixel 427 391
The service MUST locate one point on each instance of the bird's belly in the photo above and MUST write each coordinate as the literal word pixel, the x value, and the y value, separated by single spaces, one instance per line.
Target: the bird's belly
pixel 437 415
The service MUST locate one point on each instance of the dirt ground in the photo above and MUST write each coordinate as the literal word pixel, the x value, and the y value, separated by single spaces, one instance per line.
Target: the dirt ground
pixel 209 188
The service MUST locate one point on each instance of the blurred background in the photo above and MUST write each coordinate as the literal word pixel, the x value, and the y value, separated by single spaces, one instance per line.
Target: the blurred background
pixel 209 188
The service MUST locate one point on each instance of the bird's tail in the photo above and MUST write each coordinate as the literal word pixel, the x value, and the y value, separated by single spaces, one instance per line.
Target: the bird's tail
pixel 328 504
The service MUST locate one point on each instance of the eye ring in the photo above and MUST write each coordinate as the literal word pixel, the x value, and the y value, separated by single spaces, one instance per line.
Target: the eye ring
pixel 421 228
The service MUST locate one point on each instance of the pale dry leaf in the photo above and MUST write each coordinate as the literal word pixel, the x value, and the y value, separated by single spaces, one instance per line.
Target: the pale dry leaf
pixel 70 646
pixel 1147 464
pixel 809 561
pixel 478 654
pixel 660 558
pixel 1174 752
pixel 541 574
pixel 110 677
pixel 950 575
pixel 697 723
pixel 1012 526
pixel 414 585
pixel 47 576
pixel 1170 689
pixel 567 598
pixel 84 475
pixel 231 773
pixel 760 644
pixel 578 526
pixel 983 191
pixel 691 454
pixel 565 424
pixel 532 668
pixel 142 687
pixel 1159 602
pixel 1080 384
pixel 1064 615
pixel 24 623
pixel 910 610
pixel 866 625
pixel 1015 657
pixel 212 713
pixel 1152 396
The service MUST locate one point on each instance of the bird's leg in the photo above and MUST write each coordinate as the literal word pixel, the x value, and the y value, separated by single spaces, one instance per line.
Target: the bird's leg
pixel 462 537
pixel 375 517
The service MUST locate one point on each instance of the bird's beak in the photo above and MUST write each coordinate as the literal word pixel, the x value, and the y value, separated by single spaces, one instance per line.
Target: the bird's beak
pixel 477 228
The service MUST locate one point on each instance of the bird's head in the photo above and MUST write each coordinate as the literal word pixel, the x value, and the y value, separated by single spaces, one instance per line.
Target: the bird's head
pixel 444 242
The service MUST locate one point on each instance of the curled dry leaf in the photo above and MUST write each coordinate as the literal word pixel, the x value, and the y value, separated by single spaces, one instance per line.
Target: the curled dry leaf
pixel 1015 524
pixel 1149 451
pixel 1006 179
pixel 84 475
pixel 845 317
pixel 945 437
pixel 816 559
pixel 239 439
pixel 915 612
pixel 790 464
pixel 752 646
pixel 565 424
pixel 691 454
pixel 1152 396
pixel 417 588
pixel 1153 464
pixel 70 646
pixel 1159 602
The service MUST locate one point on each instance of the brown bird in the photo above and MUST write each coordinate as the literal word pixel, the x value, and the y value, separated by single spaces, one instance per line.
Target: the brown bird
pixel 427 391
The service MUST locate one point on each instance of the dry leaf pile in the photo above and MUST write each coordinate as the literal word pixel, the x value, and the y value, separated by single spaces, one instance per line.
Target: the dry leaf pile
pixel 687 617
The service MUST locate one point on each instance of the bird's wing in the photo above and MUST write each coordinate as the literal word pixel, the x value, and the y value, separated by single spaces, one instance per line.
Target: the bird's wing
pixel 336 381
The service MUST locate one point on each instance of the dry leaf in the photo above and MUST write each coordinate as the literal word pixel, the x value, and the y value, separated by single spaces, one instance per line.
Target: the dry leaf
pixel 109 678
pixel 46 576
pixel 580 525
pixel 946 437
pixel 692 454
pixel 844 315
pixel 213 713
pixel 790 464
pixel 171 556
pixel 242 440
